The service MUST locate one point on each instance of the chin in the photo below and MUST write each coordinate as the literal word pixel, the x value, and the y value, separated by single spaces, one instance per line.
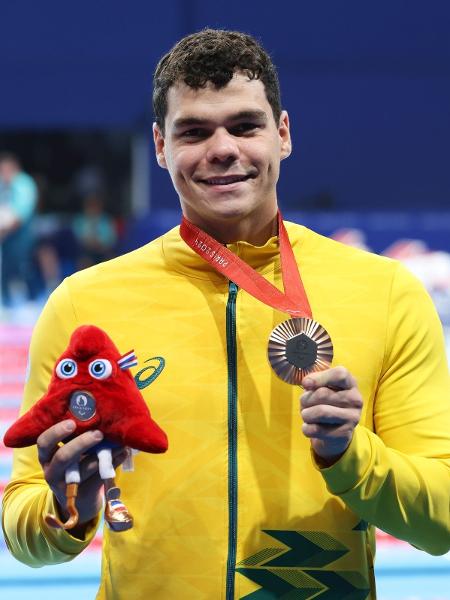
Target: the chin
pixel 229 214
pixel 232 207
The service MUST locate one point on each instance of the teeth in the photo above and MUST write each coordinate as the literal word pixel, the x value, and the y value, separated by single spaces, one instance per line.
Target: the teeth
pixel 225 180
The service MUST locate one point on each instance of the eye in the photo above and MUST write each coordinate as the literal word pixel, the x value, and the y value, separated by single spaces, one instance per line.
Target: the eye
pixel 194 134
pixel 100 368
pixel 66 369
pixel 243 129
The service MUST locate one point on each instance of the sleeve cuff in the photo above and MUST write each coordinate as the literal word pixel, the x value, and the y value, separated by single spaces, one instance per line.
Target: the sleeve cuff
pixel 61 539
pixel 350 469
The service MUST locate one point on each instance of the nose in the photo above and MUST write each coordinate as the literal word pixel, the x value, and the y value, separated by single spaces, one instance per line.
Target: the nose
pixel 222 147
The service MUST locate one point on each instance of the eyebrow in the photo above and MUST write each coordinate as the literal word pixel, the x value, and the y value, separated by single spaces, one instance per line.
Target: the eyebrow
pixel 258 115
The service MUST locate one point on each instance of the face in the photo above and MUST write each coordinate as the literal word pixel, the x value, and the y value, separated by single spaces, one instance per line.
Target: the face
pixel 8 170
pixel 222 148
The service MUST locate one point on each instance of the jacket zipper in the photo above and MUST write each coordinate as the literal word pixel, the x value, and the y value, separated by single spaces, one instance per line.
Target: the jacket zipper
pixel 232 438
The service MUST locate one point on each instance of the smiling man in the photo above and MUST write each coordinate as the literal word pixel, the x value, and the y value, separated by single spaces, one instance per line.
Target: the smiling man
pixel 268 489
pixel 222 147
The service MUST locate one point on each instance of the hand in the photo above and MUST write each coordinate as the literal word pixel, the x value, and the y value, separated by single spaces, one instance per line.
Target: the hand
pixel 55 459
pixel 331 408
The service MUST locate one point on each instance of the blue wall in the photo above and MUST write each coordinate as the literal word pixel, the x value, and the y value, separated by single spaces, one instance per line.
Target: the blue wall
pixel 367 85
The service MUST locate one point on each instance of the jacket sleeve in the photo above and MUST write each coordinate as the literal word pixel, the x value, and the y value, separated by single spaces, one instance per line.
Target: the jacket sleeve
pixel 397 477
pixel 27 498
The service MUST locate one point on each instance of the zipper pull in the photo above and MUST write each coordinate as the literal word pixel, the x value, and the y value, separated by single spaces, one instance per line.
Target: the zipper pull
pixel 232 288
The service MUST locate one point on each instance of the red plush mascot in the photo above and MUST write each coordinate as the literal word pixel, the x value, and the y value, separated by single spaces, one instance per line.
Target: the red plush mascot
pixel 92 386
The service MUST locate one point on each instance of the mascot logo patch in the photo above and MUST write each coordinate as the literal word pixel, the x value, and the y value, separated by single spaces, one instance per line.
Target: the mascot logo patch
pixel 148 374
pixel 82 405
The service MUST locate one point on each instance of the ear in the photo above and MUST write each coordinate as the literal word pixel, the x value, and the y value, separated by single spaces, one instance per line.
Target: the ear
pixel 285 135
pixel 159 142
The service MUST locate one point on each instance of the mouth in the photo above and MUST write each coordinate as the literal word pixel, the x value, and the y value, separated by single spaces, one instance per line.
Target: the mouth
pixel 79 385
pixel 225 180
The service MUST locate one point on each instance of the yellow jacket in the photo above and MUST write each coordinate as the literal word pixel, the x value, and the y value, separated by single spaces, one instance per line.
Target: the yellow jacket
pixel 237 504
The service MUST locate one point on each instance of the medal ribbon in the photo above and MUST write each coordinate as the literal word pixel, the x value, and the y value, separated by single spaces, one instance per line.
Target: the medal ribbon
pixel 293 301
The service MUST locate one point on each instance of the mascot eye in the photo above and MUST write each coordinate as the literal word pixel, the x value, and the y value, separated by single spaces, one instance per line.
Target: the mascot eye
pixel 66 369
pixel 100 369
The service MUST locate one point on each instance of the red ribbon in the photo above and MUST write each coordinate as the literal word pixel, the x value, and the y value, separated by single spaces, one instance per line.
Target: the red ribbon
pixel 293 301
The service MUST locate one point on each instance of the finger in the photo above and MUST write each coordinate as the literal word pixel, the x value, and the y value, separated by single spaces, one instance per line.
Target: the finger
pixel 48 441
pixel 330 415
pixel 88 500
pixel 89 464
pixel 90 487
pixel 338 378
pixel 71 453
pixel 119 455
pixel 344 398
pixel 329 433
pixel 88 467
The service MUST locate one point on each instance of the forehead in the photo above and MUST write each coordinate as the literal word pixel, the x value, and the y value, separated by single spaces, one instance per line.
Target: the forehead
pixel 239 95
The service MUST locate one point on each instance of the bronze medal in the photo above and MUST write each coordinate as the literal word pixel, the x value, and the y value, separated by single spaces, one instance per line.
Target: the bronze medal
pixel 297 347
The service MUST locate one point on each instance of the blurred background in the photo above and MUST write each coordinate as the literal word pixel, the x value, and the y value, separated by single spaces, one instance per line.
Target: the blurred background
pixel 367 87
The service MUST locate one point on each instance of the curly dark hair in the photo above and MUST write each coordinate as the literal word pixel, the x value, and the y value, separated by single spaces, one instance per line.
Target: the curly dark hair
pixel 213 55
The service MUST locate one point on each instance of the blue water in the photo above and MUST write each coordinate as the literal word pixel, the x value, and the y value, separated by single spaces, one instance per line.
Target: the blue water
pixel 402 574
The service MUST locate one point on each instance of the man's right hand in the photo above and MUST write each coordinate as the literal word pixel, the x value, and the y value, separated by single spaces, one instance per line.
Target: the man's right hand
pixel 56 458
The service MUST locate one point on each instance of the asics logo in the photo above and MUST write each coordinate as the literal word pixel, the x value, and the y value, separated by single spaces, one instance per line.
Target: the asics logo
pixel 149 373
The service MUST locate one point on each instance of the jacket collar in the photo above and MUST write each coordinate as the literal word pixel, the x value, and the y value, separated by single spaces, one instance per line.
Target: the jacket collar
pixel 264 259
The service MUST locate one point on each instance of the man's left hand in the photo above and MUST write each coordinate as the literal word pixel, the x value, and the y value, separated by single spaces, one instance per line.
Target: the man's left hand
pixel 331 408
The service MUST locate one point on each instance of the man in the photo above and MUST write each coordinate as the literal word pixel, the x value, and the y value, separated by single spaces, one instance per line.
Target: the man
pixel 252 499
pixel 18 198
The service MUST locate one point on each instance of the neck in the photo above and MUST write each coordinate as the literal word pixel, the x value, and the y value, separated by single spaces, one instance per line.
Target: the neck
pixel 244 230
